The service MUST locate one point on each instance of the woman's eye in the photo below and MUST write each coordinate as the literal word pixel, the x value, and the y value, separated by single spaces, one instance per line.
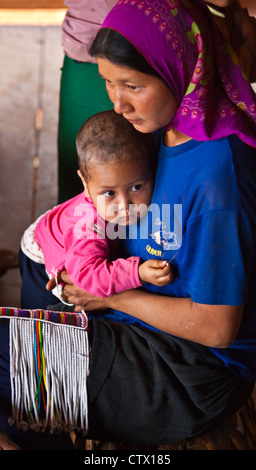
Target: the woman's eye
pixel 133 87
pixel 108 83
pixel 136 187
pixel 109 193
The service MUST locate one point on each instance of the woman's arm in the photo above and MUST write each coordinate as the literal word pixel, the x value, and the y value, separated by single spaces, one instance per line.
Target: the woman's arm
pixel 210 325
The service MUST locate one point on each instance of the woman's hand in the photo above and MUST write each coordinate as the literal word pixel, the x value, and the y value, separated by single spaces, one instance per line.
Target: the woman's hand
pixel 6 444
pixel 76 296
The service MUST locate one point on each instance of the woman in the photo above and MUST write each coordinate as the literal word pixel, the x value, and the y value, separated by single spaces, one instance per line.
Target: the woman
pixel 168 365
pixel 206 164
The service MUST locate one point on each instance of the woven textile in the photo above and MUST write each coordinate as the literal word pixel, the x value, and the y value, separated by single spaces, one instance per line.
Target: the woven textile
pixel 49 365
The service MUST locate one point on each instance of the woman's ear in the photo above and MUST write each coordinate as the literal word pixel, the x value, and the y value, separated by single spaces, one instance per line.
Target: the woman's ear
pixel 84 183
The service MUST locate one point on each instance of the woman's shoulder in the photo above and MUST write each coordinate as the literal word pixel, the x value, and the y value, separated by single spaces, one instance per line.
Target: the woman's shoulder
pixel 229 152
pixel 227 175
pixel 241 151
pixel 215 153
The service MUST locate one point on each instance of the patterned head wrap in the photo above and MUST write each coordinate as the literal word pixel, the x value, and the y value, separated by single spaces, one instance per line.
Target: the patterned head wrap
pixel 182 43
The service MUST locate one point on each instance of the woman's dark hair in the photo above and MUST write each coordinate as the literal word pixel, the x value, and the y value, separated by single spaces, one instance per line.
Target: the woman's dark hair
pixel 111 45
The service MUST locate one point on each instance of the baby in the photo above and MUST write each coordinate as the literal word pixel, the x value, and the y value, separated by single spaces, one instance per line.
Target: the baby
pixel 116 166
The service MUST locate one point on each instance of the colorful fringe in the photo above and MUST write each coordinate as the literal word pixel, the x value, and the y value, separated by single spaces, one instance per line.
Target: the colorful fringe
pixel 68 318
pixel 49 365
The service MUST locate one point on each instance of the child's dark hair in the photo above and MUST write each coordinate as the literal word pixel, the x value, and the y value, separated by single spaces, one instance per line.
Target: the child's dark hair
pixel 111 45
pixel 107 137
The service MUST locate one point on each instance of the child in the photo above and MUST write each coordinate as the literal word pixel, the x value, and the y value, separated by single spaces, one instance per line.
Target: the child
pixel 116 169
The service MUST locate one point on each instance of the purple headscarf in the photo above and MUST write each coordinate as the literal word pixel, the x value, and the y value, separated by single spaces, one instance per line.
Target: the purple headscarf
pixel 181 41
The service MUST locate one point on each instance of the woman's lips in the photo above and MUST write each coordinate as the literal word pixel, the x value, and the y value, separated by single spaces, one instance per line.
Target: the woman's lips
pixel 133 121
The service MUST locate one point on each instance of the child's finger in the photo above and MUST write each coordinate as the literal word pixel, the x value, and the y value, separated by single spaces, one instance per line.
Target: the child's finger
pixel 157 263
pixel 164 275
pixel 164 280
pixel 165 270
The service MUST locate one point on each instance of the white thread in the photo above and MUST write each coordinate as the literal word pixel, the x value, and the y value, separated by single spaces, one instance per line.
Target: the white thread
pixel 59 289
pixel 66 352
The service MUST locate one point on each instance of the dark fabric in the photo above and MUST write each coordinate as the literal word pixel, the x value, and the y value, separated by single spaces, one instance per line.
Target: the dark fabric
pixel 144 387
pixel 34 280
pixel 152 388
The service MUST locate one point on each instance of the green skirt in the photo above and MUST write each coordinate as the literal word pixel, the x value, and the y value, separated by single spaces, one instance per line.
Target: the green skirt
pixel 82 94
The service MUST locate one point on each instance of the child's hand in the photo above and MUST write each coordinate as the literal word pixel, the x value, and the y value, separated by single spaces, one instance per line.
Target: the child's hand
pixel 156 272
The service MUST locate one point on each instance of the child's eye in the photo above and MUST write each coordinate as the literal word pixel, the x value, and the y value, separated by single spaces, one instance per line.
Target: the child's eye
pixel 109 193
pixel 136 187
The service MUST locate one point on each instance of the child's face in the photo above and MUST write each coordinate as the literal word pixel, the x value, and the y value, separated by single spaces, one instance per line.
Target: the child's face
pixel 118 188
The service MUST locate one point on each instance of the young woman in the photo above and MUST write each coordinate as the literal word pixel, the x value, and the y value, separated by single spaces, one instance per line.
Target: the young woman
pixel 161 71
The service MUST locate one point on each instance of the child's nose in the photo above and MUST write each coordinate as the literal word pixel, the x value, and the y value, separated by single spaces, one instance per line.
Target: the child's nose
pixel 123 204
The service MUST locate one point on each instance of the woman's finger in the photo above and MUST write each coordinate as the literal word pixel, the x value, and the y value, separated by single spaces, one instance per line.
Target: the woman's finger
pixel 65 277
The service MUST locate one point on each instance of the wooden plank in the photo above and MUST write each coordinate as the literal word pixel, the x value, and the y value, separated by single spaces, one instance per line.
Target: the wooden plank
pixel 46 190
pixel 37 17
pixel 32 4
pixel 20 53
pixel 19 50
pixel 31 58
pixel 60 3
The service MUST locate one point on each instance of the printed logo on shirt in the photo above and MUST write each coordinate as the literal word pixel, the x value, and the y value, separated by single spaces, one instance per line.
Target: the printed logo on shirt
pixel 167 239
pixel 153 251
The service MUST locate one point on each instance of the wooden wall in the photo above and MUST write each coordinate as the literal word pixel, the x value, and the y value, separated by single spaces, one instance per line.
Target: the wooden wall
pixel 250 4
pixel 10 4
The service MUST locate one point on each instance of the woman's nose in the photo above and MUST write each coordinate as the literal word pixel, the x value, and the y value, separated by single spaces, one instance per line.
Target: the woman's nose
pixel 121 105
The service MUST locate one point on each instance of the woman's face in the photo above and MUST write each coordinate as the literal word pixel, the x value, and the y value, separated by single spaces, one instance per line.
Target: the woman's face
pixel 144 100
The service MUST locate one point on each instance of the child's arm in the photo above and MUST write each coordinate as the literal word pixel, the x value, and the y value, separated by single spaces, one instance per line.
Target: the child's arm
pixel 91 269
pixel 157 272
pixel 153 271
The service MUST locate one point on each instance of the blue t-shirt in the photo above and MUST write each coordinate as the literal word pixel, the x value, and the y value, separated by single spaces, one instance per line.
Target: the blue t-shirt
pixel 203 212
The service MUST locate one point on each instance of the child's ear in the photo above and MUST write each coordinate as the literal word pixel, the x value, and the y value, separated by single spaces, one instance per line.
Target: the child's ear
pixel 84 183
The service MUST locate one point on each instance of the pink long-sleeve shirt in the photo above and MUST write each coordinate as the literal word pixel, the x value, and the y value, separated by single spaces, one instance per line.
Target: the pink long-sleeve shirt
pixel 81 24
pixel 68 238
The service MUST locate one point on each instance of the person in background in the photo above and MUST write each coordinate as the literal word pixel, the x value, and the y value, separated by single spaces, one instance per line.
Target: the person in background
pixel 82 91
